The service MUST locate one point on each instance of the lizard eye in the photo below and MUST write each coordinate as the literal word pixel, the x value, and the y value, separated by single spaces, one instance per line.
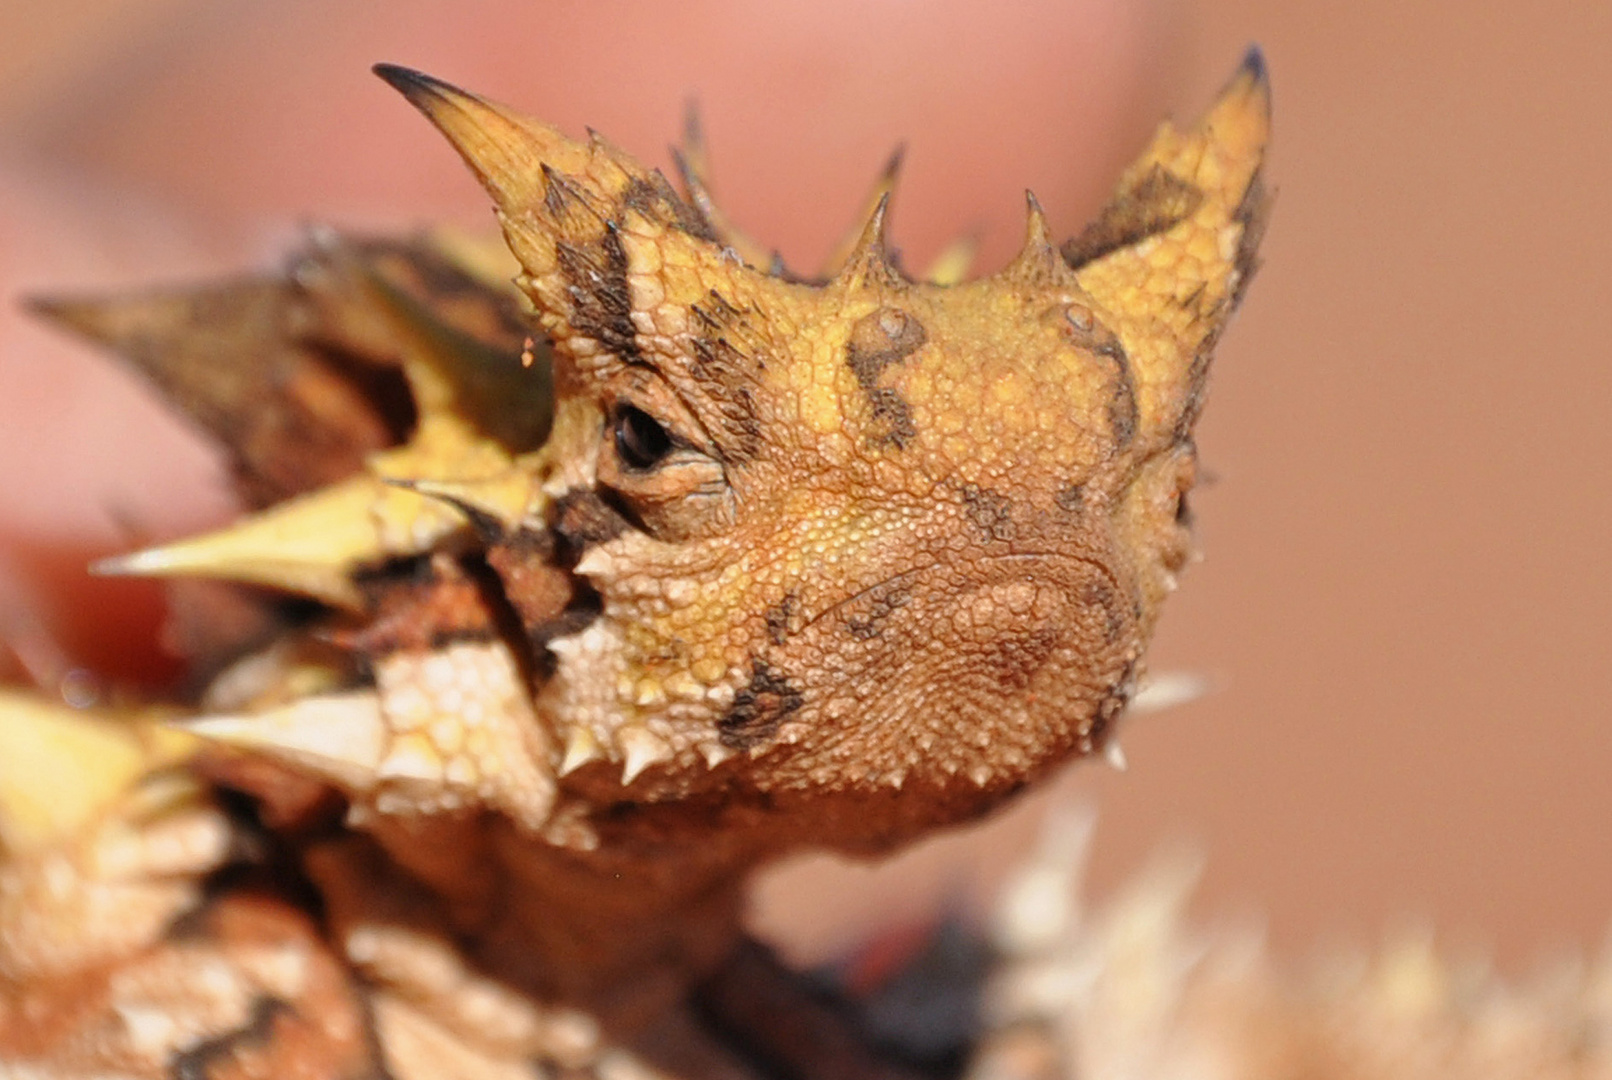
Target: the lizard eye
pixel 641 441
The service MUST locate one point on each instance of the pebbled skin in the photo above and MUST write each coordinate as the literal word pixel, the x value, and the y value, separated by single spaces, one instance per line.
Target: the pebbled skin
pixel 770 563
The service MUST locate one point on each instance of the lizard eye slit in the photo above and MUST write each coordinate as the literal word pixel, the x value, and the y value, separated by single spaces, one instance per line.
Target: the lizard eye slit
pixel 642 442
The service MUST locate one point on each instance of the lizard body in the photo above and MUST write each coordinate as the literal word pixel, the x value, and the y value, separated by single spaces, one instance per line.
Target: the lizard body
pixel 741 564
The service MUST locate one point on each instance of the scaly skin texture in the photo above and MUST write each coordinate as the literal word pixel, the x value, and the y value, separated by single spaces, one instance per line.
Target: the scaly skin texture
pixel 770 563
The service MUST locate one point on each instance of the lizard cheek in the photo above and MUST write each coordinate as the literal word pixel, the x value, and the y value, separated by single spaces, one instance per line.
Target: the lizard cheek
pixel 980 671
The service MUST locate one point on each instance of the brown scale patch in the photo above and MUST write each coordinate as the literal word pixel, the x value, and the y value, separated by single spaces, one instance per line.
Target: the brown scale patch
pixel 780 618
pixel 431 605
pixel 881 602
pixel 1071 499
pixel 759 708
pixel 1098 593
pixel 723 369
pixel 989 511
pixel 601 302
pixel 878 340
pixel 1089 333
pixel 657 200
pixel 581 519
pixel 1016 660
pixel 1155 203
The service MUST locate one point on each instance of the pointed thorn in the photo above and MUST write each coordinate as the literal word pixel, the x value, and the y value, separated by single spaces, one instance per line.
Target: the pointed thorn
pixel 500 146
pixel 339 737
pixel 1037 233
pixel 640 749
pixel 1168 689
pixel 892 168
pixel 693 132
pixel 581 748
pixel 1253 65
pixel 488 526
pixel 715 753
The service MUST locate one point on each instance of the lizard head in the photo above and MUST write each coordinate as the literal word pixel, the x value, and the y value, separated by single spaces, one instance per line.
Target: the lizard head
pixel 864 531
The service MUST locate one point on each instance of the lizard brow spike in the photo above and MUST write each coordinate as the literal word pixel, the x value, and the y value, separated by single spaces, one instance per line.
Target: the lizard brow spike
pixel 869 260
pixel 1038 262
pixel 883 187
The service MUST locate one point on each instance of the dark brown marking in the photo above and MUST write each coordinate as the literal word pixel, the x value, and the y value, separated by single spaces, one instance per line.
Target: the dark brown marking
pixel 1089 333
pixel 657 200
pixel 990 511
pixel 1155 203
pixel 878 340
pixel 759 708
pixel 601 302
pixel 581 519
pixel 1253 214
pixel 780 618
pixel 416 607
pixel 887 336
pixel 1098 593
pixel 197 1063
pixel 882 602
pixel 892 410
pixel 561 198
pixel 1071 499
pixel 1016 660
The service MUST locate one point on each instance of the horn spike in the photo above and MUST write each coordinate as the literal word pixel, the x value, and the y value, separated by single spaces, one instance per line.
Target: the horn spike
pixel 1038 261
pixel 869 258
pixel 640 749
pixel 692 161
pixel 1172 252
pixel 873 204
pixel 339 737
pixel 494 506
pixel 581 748
pixel 310 545
pixel 501 147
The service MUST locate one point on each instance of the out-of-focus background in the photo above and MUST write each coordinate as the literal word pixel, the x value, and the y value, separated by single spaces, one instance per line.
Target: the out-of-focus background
pixel 1405 598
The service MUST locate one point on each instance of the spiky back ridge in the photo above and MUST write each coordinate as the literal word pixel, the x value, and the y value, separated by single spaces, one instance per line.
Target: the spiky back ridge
pixel 814 536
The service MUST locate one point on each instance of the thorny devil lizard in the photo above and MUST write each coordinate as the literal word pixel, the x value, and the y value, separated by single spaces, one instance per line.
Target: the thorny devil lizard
pixel 771 563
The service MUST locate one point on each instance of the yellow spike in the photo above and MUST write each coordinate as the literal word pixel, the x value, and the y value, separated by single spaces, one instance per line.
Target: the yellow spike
pixel 308 545
pixel 581 748
pixel 1038 262
pixel 954 262
pixel 693 165
pixel 875 202
pixel 60 768
pixel 1170 255
pixel 640 748
pixel 504 149
pixel 338 737
pixel 564 205
pixel 494 505
pixel 869 262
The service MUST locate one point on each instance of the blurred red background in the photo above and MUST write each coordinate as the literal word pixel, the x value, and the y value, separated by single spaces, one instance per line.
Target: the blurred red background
pixel 1405 596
